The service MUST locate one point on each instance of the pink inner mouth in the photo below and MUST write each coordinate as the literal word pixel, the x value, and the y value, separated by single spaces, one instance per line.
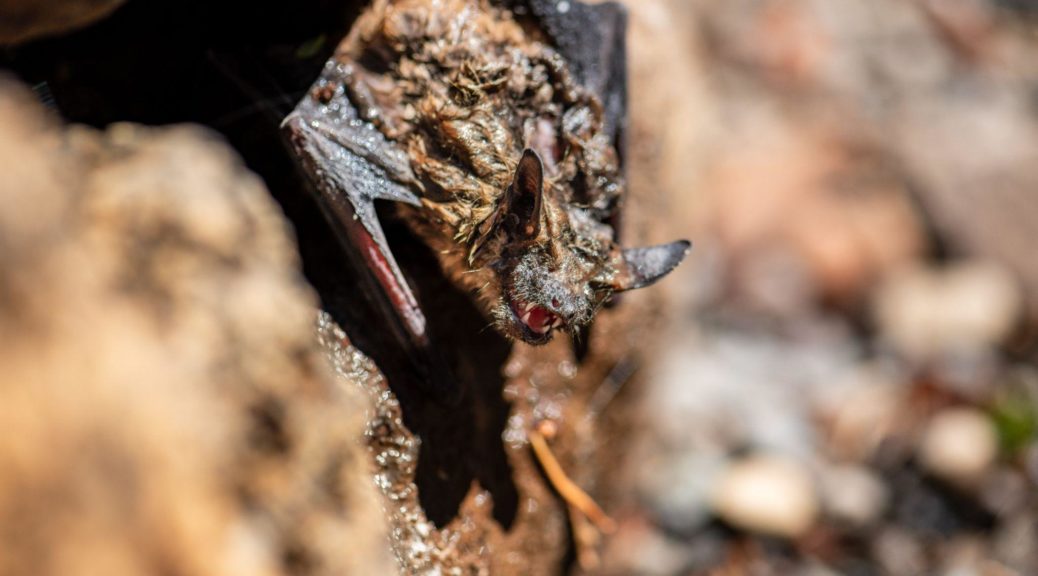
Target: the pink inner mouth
pixel 536 318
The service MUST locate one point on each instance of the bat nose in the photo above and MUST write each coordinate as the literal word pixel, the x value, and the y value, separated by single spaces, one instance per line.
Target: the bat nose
pixel 565 308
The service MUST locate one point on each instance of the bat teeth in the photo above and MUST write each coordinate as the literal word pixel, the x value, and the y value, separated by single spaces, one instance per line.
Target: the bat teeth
pixel 526 317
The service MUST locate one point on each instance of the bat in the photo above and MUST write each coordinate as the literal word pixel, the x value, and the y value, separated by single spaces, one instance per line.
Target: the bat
pixel 496 130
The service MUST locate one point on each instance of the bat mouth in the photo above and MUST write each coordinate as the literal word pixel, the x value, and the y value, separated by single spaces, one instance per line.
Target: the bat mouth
pixel 535 322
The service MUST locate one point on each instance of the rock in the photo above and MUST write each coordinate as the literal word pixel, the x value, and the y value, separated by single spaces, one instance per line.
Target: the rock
pixel 1004 491
pixel 1030 458
pixel 962 555
pixel 165 404
pixel 982 205
pixel 638 548
pixel 853 495
pixel 833 209
pixel 1013 543
pixel 767 494
pixel 899 552
pixel 742 388
pixel 677 488
pixel 926 312
pixel 862 416
pixel 959 445
pixel 22 20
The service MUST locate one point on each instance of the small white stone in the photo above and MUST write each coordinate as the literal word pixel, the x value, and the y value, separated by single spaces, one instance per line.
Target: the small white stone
pixel 959 445
pixel 899 552
pixel 925 312
pixel 767 494
pixel 861 418
pixel 640 549
pixel 853 494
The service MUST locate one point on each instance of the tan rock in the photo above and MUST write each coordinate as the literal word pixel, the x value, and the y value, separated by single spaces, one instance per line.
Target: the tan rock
pixel 808 192
pixel 165 405
pixel 925 311
pixel 959 445
pixel 861 418
pixel 854 494
pixel 767 494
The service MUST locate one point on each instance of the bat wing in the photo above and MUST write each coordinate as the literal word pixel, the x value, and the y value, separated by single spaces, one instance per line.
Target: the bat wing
pixel 350 163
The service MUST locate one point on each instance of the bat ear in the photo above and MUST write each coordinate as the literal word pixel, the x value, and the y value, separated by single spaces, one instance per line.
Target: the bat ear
pixel 519 212
pixel 640 267
pixel 526 197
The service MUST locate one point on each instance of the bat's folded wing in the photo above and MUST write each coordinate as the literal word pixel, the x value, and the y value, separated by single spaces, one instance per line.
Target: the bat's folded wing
pixel 350 164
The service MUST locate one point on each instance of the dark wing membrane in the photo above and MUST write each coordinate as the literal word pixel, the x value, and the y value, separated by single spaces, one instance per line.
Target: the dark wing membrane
pixel 350 164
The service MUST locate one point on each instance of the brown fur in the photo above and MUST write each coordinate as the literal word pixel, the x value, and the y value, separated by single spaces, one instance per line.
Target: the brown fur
pixel 466 90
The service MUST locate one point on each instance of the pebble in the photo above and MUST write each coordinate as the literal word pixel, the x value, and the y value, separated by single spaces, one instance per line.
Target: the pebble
pixel 898 552
pixel 962 555
pixel 677 489
pixel 1004 491
pixel 1014 543
pixel 959 445
pixel 925 312
pixel 767 494
pixel 861 418
pixel 638 548
pixel 854 495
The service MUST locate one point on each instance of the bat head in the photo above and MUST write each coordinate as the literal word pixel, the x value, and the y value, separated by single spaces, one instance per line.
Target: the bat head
pixel 555 265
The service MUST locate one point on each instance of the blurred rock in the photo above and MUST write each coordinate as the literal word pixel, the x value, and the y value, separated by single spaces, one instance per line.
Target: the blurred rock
pixel 165 405
pixel 742 389
pixel 862 415
pixel 1004 491
pixel 831 205
pixel 853 495
pixel 899 553
pixel 1014 543
pixel 926 312
pixel 959 445
pixel 982 204
pixel 1030 458
pixel 22 20
pixel 640 550
pixel 767 494
pixel 678 488
pixel 961 555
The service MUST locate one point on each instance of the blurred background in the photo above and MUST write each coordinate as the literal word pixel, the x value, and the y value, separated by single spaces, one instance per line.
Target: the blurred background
pixel 850 385
pixel 846 374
